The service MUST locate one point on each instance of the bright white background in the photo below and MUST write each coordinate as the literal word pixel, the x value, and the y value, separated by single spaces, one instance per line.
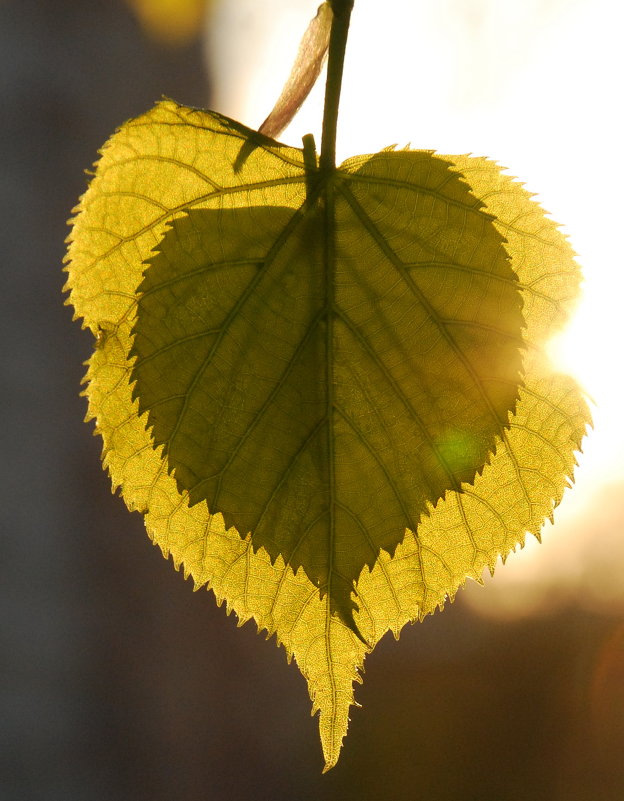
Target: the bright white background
pixel 535 85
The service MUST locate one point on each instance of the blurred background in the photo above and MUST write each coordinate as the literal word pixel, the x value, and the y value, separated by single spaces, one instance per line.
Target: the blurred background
pixel 117 681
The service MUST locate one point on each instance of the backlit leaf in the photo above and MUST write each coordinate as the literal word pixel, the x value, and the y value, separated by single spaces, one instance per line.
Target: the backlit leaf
pixel 319 376
pixel 437 345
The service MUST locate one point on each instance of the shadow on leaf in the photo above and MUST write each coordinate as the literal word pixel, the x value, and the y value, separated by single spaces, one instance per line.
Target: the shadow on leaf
pixel 321 376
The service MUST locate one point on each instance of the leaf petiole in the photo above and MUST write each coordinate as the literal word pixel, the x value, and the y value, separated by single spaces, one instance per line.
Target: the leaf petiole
pixel 337 47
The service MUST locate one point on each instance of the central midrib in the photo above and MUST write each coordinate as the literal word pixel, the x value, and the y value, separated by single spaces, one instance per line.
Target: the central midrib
pixel 328 199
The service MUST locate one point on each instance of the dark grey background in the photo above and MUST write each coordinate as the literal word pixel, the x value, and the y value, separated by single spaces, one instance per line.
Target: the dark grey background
pixel 118 682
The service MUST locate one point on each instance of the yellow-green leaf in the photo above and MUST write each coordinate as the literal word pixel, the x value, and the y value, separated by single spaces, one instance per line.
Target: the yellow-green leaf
pixel 319 376
pixel 171 170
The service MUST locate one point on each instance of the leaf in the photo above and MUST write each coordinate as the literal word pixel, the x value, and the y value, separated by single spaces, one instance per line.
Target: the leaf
pixel 296 367
pixel 169 171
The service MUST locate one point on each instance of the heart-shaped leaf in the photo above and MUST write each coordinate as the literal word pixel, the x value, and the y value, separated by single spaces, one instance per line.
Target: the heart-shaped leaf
pixel 167 202
pixel 319 376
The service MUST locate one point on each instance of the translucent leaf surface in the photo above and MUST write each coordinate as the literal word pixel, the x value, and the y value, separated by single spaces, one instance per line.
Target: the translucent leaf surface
pixel 170 171
pixel 319 376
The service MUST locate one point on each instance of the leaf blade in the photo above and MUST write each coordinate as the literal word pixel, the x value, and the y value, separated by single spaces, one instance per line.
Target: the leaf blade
pixel 266 339
pixel 549 418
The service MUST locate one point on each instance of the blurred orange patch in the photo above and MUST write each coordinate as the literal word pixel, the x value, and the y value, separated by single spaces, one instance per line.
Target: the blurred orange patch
pixel 171 22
